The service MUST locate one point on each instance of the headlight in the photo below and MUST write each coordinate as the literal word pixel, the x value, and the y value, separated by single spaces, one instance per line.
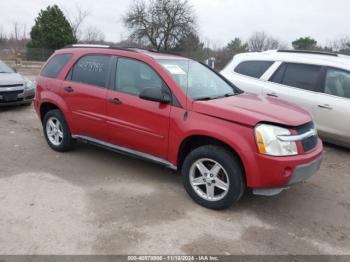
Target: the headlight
pixel 268 143
pixel 28 84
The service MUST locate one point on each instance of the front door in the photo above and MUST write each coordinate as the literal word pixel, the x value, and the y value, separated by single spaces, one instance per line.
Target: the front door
pixel 133 122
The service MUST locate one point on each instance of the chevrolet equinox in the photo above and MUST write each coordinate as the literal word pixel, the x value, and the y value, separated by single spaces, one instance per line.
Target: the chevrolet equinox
pixel 179 113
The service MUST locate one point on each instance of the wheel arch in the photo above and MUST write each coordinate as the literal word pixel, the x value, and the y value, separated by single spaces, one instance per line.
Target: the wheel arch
pixel 194 141
pixel 46 107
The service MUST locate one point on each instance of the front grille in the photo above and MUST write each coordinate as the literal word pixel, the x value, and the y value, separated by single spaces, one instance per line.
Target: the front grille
pixel 10 96
pixel 308 143
pixel 15 85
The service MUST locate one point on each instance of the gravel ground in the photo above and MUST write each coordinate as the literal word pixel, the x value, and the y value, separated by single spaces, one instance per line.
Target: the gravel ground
pixel 93 201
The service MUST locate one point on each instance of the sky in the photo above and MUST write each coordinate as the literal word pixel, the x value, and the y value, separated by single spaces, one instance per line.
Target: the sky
pixel 219 21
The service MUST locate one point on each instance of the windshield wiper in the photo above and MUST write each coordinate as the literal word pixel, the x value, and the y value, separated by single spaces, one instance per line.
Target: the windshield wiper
pixel 225 95
pixel 206 98
pixel 229 94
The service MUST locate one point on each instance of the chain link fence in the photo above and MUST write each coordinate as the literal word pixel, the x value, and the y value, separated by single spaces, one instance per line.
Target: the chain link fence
pixel 25 55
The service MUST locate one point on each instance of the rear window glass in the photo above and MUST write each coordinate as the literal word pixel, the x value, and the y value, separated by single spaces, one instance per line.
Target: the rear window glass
pixel 55 65
pixel 92 70
pixel 253 68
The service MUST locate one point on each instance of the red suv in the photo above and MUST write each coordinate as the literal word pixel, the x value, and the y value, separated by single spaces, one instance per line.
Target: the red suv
pixel 179 113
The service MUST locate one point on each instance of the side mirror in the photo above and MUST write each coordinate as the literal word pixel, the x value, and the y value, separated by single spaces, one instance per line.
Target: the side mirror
pixel 156 95
pixel 14 69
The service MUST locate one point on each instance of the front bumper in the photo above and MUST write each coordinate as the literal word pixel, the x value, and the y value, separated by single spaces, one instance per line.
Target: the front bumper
pixel 300 174
pixel 16 97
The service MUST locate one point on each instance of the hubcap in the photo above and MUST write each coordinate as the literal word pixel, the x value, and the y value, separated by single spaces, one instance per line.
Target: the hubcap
pixel 209 179
pixel 54 131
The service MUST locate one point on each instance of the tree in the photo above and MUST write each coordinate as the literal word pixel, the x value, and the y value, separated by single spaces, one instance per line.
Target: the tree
pixel 191 46
pixel 260 41
pixel 236 46
pixel 162 23
pixel 93 35
pixel 51 30
pixel 304 43
pixel 77 20
pixel 342 45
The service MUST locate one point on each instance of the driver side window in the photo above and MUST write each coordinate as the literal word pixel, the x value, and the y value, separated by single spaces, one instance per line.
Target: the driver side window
pixel 133 76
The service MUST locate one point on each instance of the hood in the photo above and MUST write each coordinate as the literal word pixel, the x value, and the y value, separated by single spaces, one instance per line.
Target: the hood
pixel 250 109
pixel 11 79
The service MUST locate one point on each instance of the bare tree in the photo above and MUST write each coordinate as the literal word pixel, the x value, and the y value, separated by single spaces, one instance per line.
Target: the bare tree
pixel 260 41
pixel 342 45
pixel 161 22
pixel 77 19
pixel 3 35
pixel 93 35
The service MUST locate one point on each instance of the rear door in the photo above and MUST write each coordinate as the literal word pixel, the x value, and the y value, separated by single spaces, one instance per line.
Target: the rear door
pixel 133 122
pixel 85 91
pixel 332 106
pixel 296 83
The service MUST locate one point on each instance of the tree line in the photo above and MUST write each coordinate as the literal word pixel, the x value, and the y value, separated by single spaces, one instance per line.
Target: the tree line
pixel 167 25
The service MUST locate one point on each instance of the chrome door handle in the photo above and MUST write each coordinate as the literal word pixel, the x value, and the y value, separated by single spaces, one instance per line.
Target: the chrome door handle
pixel 273 94
pixel 115 101
pixel 325 107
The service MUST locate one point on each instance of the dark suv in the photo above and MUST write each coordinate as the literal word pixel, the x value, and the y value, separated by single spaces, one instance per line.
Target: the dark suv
pixel 179 113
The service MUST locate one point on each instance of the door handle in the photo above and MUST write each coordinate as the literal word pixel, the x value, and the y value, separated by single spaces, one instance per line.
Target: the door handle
pixel 273 94
pixel 115 101
pixel 326 106
pixel 69 89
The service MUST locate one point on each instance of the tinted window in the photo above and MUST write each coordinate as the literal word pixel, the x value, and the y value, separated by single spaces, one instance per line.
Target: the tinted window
pixel 253 68
pixel 301 76
pixel 134 76
pixel 92 70
pixel 278 75
pixel 55 65
pixel 337 83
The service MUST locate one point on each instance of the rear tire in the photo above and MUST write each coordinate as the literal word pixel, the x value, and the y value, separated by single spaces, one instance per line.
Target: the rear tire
pixel 213 177
pixel 57 132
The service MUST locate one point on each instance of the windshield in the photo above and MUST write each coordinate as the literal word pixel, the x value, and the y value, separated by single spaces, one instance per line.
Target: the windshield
pixel 5 68
pixel 197 80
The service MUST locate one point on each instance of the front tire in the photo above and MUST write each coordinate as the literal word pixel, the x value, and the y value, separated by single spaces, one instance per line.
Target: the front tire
pixel 57 132
pixel 213 177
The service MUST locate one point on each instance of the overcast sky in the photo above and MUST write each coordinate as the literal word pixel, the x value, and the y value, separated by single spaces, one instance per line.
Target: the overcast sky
pixel 218 20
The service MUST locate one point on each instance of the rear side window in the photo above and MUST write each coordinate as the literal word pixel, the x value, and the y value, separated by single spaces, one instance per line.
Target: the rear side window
pixel 298 75
pixel 253 68
pixel 92 70
pixel 55 65
pixel 337 83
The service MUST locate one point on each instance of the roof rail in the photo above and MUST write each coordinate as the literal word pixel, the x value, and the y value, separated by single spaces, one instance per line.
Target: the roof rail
pixel 90 45
pixel 130 49
pixel 308 52
pixel 100 46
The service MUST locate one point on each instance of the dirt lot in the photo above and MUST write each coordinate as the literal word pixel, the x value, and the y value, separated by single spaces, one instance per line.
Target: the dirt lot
pixel 92 201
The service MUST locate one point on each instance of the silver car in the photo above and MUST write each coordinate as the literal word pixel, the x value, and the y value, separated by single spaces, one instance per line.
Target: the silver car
pixel 14 88
pixel 316 81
